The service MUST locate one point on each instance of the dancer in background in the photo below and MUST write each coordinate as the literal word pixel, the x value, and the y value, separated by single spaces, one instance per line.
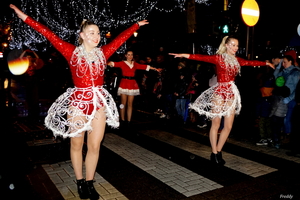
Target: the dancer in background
pixel 223 98
pixel 88 106
pixel 128 88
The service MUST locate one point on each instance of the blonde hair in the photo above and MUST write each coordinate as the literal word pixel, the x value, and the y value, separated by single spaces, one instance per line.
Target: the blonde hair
pixel 222 48
pixel 85 23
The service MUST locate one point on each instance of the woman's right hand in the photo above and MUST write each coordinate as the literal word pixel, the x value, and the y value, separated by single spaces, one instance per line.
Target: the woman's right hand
pixel 110 63
pixel 19 13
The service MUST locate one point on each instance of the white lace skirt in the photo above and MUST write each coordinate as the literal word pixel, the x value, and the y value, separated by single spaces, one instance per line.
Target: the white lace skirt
pixel 222 99
pixel 74 110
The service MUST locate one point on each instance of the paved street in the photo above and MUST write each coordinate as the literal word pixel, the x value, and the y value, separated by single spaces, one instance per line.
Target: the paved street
pixel 156 159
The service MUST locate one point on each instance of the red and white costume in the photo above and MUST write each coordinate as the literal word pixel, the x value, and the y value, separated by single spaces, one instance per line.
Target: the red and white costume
pixel 81 103
pixel 223 98
pixel 128 84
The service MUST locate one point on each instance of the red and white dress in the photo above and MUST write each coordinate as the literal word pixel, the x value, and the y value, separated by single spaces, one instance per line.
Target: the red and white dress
pixel 73 111
pixel 128 84
pixel 223 98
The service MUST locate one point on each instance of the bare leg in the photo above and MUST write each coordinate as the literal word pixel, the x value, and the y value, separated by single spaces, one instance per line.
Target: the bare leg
pixel 76 148
pixel 129 107
pixel 228 121
pixel 93 143
pixel 123 102
pixel 213 133
pixel 76 155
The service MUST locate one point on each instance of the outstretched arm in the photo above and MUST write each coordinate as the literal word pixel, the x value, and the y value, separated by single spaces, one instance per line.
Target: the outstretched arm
pixel 270 65
pixel 19 13
pixel 180 55
pixel 110 48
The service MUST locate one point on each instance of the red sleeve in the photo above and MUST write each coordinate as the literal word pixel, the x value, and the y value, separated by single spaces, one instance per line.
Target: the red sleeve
pixel 244 62
pixel 118 64
pixel 110 48
pixel 205 58
pixel 140 66
pixel 65 48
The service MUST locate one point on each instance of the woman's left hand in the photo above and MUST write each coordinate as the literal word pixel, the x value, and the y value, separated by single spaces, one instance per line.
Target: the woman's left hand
pixel 271 65
pixel 159 70
pixel 143 22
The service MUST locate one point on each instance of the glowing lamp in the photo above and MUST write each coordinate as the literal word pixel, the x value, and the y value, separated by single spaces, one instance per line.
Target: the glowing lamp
pixel 18 66
pixel 108 35
pixel 250 12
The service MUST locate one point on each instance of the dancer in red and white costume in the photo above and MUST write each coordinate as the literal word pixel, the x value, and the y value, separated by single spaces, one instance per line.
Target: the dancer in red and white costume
pixel 222 99
pixel 88 106
pixel 128 86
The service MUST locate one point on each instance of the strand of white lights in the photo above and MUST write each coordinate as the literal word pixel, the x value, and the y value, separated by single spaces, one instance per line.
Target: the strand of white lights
pixel 208 49
pixel 56 14
pixel 206 2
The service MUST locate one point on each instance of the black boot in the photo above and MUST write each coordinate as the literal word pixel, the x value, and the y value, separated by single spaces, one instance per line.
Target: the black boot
pixel 214 158
pixel 220 158
pixel 82 189
pixel 93 194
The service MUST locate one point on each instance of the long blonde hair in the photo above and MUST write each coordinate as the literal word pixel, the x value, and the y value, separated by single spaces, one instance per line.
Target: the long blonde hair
pixel 222 48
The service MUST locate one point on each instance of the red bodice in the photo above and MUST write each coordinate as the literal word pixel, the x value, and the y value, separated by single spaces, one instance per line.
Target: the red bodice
pixel 224 73
pixel 129 72
pixel 66 49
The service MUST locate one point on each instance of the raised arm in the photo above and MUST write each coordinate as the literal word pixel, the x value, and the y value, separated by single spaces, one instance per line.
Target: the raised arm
pixel 110 48
pixel 65 48
pixel 19 13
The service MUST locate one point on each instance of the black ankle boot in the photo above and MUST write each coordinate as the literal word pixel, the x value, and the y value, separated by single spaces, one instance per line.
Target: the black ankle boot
pixel 220 158
pixel 93 194
pixel 82 189
pixel 214 158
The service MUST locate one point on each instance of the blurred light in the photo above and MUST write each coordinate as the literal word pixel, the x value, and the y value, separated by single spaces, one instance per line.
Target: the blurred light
pixel 135 34
pixel 108 35
pixel 18 66
pixel 1 54
pixel 6 83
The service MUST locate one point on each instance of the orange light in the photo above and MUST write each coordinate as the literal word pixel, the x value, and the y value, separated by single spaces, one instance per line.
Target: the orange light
pixel 18 66
pixel 108 35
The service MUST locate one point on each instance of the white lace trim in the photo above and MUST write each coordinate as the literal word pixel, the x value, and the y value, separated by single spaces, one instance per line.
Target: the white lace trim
pixel 133 92
pixel 73 103
pixel 93 60
pixel 222 99
pixel 231 64
pixel 129 65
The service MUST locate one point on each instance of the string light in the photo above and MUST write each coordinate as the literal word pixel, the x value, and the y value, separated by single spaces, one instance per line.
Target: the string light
pixel 64 16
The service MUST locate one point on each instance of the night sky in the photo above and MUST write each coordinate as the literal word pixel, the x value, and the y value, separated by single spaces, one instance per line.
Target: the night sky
pixel 278 22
